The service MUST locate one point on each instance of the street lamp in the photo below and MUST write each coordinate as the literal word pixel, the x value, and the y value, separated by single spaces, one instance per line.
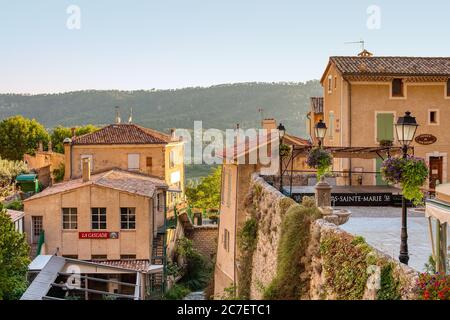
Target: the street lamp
pixel 281 133
pixel 405 128
pixel 320 131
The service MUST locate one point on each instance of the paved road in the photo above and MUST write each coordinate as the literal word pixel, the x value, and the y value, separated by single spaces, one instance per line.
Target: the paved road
pixel 380 226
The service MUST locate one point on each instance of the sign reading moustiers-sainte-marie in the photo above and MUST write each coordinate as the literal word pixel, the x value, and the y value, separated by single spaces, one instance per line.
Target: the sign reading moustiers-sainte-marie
pixel 98 235
pixel 354 199
pixel 426 139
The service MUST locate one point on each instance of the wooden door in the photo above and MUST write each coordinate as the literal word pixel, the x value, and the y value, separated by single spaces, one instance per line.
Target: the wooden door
pixel 435 171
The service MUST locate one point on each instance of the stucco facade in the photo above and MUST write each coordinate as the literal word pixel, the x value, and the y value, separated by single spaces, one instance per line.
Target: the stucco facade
pixel 352 107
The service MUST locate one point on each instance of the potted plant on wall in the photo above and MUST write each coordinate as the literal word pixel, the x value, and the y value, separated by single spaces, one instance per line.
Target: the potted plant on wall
pixel 410 172
pixel 321 160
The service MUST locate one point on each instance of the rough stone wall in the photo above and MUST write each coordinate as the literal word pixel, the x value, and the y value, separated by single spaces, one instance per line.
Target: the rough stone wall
pixel 265 201
pixel 204 239
pixel 268 206
pixel 318 287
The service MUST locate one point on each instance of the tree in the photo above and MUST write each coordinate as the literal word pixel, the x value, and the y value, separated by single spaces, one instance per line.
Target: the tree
pixel 9 170
pixel 206 194
pixel 14 259
pixel 60 133
pixel 19 135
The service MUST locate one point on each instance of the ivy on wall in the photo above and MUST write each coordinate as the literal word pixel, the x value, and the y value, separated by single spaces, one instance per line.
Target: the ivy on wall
pixel 294 238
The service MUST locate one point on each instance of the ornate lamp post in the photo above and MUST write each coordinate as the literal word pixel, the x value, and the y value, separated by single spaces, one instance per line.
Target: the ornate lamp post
pixel 281 133
pixel 405 128
pixel 320 131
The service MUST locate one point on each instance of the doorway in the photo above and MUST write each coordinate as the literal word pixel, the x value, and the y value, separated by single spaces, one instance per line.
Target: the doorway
pixel 436 166
pixel 37 227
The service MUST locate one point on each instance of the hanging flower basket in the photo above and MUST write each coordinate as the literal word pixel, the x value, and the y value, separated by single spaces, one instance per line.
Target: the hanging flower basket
pixel 321 160
pixel 411 173
pixel 285 150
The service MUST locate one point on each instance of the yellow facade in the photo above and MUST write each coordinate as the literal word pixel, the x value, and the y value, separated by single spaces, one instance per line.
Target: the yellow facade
pixel 66 242
pixel 351 108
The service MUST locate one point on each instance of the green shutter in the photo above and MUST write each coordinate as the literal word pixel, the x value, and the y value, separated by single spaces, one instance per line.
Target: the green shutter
pixel 385 126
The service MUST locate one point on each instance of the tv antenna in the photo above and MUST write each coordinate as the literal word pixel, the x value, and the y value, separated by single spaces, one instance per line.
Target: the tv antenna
pixel 361 42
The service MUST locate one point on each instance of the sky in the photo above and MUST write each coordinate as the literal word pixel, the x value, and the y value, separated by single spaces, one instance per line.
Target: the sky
pixel 132 45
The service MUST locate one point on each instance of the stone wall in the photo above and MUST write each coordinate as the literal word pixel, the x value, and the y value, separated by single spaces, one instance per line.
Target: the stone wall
pixel 204 239
pixel 268 206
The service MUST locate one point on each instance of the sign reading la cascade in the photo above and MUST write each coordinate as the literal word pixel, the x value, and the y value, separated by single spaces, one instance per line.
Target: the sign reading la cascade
pixel 98 235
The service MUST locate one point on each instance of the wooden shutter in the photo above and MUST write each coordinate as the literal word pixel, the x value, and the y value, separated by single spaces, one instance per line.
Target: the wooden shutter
pixel 385 126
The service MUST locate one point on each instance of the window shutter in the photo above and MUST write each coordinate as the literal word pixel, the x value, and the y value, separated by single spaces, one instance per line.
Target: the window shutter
pixel 133 161
pixel 385 126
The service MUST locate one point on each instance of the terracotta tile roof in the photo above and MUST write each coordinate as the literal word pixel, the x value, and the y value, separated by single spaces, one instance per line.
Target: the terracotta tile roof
pixel 131 182
pixel 123 133
pixel 135 265
pixel 317 104
pixel 243 148
pixel 394 66
pixel 14 214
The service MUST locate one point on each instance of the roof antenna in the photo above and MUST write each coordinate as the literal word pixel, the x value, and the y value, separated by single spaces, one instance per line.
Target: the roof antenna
pixel 130 119
pixel 364 52
pixel 117 115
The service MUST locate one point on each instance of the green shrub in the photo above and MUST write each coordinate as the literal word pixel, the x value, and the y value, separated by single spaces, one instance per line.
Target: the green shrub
pixel 247 240
pixel 294 237
pixel 15 205
pixel 177 292
pixel 389 289
pixel 197 271
pixel 345 264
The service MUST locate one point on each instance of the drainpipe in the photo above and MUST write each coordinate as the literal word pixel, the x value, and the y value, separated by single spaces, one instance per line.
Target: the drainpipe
pixel 235 226
pixel 350 126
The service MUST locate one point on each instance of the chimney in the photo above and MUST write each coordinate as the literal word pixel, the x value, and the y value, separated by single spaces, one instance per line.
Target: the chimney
pixel 86 168
pixel 40 146
pixel 269 124
pixel 67 159
pixel 73 132
pixel 118 120
pixel 50 146
pixel 130 118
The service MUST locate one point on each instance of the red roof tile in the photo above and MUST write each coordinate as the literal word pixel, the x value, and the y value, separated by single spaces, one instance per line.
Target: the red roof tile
pixel 123 133
pixel 121 180
pixel 393 66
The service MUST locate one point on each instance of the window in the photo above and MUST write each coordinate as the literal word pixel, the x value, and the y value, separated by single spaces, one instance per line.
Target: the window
pixel 70 256
pixel 433 117
pixel 397 88
pixel 335 83
pixel 448 88
pixel 149 162
pixel 98 218
pixel 330 84
pixel 226 240
pixel 133 161
pixel 229 189
pixel 171 159
pixel 127 256
pixel 331 124
pixel 128 218
pixel 99 257
pixel 160 201
pixel 70 218
pixel 385 127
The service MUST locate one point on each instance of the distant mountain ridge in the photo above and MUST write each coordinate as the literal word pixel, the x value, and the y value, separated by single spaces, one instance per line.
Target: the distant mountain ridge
pixel 220 106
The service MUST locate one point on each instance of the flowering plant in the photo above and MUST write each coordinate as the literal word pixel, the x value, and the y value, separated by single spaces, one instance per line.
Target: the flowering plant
pixel 321 160
pixel 411 173
pixel 433 286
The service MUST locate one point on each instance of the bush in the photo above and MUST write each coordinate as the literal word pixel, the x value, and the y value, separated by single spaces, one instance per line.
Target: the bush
pixel 15 205
pixel 197 271
pixel 177 292
pixel 59 172
pixel 434 286
pixel 294 237
pixel 247 239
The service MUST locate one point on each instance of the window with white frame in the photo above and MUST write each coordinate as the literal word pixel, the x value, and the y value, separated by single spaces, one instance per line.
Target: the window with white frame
pixel 70 219
pixel 133 161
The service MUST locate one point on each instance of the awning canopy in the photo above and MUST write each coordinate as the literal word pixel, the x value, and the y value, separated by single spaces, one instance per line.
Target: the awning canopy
pixel 30 177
